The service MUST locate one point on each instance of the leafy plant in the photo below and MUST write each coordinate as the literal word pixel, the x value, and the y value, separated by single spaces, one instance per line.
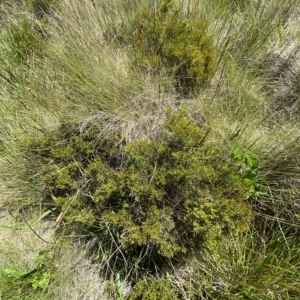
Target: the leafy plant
pixel 161 197
pixel 163 41
pixel 248 167
pixel 153 288
pixel 37 277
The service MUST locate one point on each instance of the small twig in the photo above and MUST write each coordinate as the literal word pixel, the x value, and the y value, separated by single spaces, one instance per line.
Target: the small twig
pixel 153 174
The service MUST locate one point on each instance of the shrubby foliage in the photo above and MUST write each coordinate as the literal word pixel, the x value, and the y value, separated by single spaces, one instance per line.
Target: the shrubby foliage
pixel 151 288
pixel 165 196
pixel 165 43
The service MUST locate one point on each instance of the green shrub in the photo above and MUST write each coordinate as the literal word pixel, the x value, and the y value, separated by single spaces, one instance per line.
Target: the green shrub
pixel 163 41
pixel 151 288
pixel 163 197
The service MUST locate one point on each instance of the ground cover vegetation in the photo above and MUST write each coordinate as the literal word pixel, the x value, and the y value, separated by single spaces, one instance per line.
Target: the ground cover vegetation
pixel 150 149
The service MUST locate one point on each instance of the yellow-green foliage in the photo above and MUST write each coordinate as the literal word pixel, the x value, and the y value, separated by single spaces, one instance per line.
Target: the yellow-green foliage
pixel 167 196
pixel 163 41
pixel 18 283
pixel 150 288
